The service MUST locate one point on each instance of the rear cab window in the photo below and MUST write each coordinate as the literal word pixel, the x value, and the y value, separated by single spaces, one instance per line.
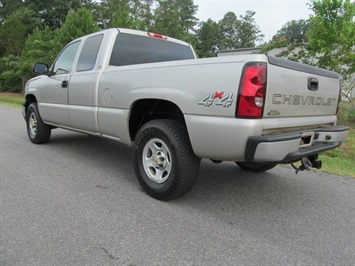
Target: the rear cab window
pixel 88 55
pixel 132 49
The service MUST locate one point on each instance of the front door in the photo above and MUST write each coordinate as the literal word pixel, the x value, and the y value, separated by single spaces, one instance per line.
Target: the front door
pixel 53 90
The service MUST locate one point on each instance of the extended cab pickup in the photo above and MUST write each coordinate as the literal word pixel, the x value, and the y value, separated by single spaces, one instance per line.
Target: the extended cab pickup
pixel 149 91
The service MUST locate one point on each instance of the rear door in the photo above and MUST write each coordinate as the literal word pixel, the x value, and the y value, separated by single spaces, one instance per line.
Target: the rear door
pixel 82 91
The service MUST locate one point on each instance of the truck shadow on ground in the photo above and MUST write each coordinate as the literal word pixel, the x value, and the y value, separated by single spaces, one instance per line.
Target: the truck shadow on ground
pixel 219 186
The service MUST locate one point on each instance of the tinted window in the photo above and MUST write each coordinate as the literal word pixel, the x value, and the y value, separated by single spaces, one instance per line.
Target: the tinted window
pixel 88 55
pixel 65 60
pixel 132 49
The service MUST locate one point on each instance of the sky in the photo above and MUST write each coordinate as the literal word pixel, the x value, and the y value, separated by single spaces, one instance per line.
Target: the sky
pixel 270 15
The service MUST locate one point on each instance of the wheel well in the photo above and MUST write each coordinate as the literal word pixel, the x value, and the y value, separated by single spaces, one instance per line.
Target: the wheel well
pixel 29 99
pixel 149 109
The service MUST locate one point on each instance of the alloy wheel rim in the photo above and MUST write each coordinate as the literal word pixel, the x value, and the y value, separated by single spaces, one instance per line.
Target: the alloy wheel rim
pixel 157 161
pixel 33 125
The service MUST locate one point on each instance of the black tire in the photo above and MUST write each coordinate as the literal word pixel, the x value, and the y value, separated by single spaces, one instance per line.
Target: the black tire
pixel 164 162
pixel 256 167
pixel 37 131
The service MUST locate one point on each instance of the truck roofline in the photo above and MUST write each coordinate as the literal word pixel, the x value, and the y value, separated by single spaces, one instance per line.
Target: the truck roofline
pixel 134 32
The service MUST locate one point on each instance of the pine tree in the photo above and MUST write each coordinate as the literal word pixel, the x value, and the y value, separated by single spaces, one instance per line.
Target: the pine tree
pixel 77 23
pixel 239 33
pixel 53 12
pixel 209 38
pixel 175 18
pixel 39 47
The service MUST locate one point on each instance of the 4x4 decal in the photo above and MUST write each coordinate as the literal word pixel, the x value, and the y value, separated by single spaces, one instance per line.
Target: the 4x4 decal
pixel 224 101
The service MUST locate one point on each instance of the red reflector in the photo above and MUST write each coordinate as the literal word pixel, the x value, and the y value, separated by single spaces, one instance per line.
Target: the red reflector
pixel 252 91
pixel 156 35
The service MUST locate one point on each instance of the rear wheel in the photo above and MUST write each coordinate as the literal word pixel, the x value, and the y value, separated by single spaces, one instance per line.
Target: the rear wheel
pixel 165 164
pixel 256 167
pixel 37 131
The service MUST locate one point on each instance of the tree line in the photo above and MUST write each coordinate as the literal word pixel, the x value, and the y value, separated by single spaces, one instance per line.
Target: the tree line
pixel 36 30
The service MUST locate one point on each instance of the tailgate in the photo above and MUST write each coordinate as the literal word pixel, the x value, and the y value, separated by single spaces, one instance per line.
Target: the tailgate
pixel 295 89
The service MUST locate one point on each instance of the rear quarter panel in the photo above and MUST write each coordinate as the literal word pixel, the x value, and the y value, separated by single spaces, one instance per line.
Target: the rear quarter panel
pixel 185 83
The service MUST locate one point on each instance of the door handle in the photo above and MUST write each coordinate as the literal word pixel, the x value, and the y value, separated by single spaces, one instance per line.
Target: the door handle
pixel 65 84
pixel 313 84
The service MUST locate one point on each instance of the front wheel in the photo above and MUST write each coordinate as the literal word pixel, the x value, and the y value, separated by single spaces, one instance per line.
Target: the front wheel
pixel 256 167
pixel 164 162
pixel 37 131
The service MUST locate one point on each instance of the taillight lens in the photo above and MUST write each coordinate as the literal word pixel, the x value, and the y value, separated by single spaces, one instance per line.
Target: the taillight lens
pixel 252 91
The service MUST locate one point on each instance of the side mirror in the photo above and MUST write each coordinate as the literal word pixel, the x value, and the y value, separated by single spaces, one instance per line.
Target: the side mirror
pixel 40 68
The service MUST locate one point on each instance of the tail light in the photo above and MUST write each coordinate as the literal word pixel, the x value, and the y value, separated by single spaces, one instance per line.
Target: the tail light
pixel 252 91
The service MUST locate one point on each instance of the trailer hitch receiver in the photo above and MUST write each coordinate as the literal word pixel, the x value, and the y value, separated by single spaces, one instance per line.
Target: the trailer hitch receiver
pixel 307 163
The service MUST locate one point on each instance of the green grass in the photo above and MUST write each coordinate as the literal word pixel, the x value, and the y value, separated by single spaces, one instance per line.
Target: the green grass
pixel 339 161
pixel 13 99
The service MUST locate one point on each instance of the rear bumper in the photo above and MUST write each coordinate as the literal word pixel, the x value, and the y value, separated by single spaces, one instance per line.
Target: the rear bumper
pixel 231 139
pixel 286 147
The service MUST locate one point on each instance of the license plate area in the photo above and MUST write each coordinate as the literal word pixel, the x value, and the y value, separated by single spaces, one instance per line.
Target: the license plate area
pixel 307 139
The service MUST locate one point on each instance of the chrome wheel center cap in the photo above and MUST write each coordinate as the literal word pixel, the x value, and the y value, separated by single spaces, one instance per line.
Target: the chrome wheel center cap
pixel 159 160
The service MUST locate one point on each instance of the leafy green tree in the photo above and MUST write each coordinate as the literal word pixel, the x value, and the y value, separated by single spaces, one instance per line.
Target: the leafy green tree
pixel 8 7
pixel 332 35
pixel 293 31
pixel 292 35
pixel 331 43
pixel 53 12
pixel 15 30
pixel 10 77
pixel 39 47
pixel 13 34
pixel 332 39
pixel 43 46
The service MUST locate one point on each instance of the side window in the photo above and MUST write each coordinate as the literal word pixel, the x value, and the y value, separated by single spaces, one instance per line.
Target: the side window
pixel 88 55
pixel 64 63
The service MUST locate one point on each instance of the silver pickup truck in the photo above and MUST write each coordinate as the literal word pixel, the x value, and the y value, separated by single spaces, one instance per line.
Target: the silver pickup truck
pixel 149 91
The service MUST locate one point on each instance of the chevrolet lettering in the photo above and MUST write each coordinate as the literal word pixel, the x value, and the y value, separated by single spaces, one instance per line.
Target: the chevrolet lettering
pixel 303 100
